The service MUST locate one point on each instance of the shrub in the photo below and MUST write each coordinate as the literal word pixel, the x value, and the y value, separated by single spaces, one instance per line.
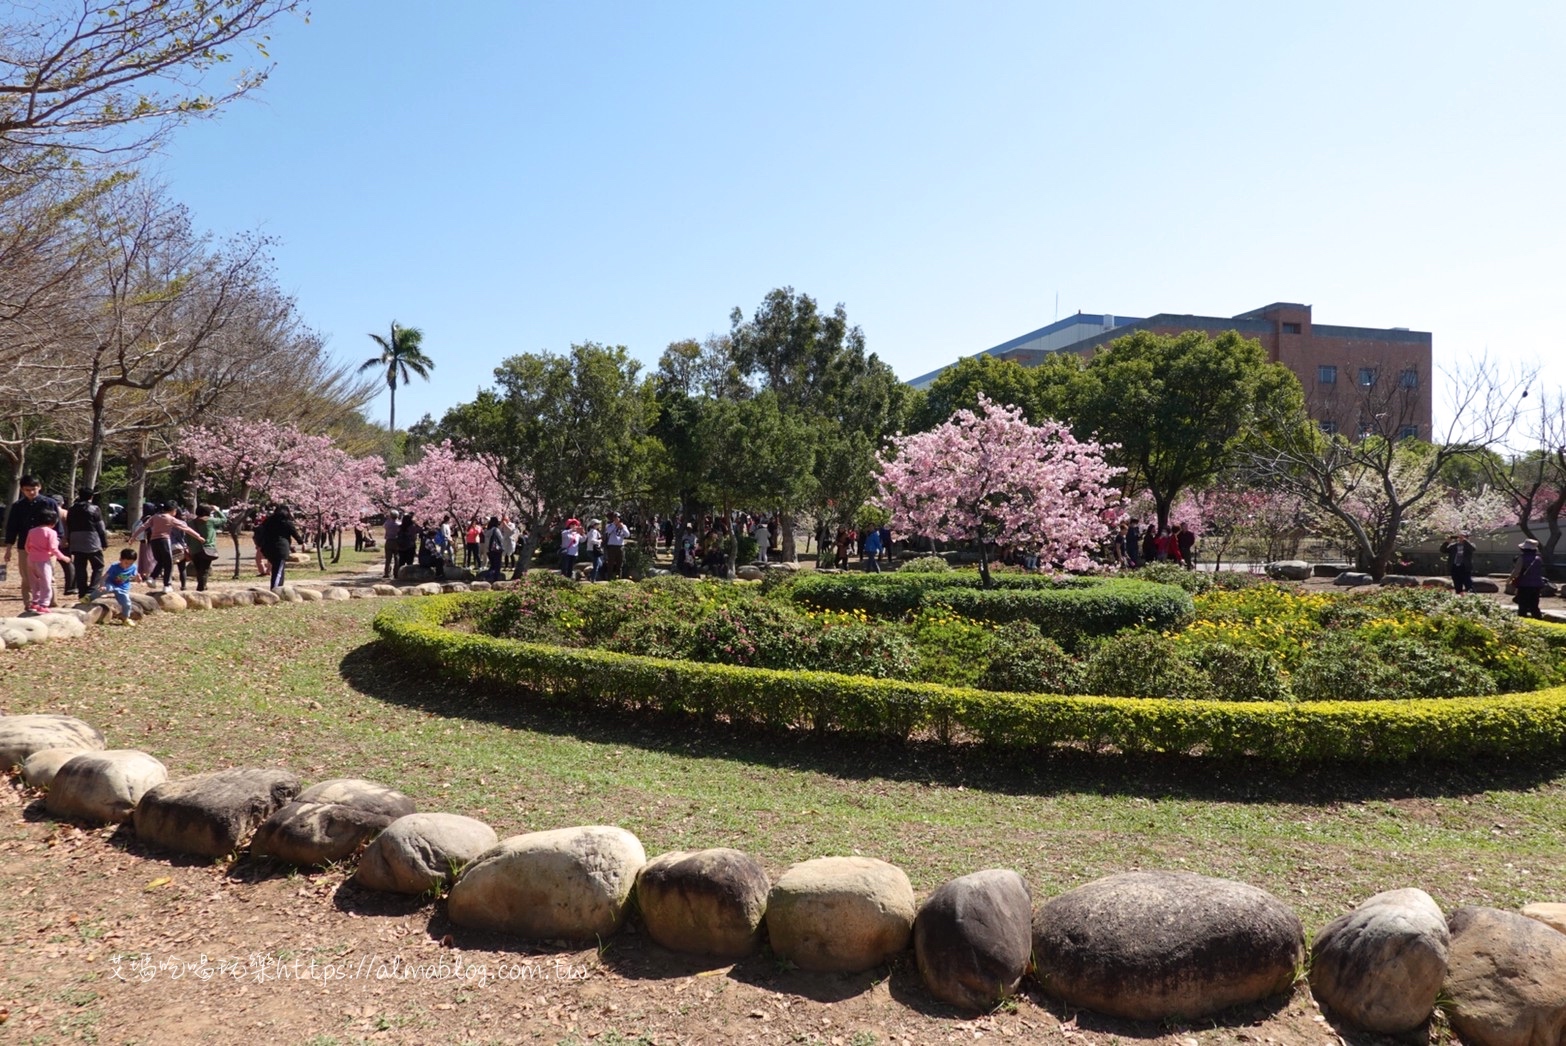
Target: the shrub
pixel 1143 664
pixel 1068 609
pixel 863 650
pixel 1510 726
pixel 1345 669
pixel 1240 674
pixel 1025 661
pixel 951 649
pixel 1162 573
pixel 925 565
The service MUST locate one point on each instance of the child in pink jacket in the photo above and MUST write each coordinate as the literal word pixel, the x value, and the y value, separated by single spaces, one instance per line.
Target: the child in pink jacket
pixel 43 548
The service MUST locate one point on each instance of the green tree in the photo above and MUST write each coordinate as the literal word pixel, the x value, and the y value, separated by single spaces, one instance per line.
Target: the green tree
pixel 753 453
pixel 816 366
pixel 1178 406
pixel 401 355
pixel 959 386
pixel 570 431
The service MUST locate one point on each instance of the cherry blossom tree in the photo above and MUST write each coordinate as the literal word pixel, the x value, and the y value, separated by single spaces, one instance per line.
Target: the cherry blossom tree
pixel 989 477
pixel 444 482
pixel 245 464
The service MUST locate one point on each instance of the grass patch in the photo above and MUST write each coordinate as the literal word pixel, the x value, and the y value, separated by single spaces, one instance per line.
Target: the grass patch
pixel 306 687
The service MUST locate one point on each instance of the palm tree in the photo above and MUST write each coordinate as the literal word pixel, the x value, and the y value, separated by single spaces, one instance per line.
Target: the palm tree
pixel 399 355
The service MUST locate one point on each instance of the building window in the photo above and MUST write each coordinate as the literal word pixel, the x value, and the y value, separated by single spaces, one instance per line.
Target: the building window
pixel 1291 328
pixel 1408 432
pixel 1326 375
pixel 1367 377
pixel 1409 379
pixel 1329 428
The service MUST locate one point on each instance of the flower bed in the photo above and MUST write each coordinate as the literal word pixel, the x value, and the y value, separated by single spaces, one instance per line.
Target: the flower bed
pixel 1371 730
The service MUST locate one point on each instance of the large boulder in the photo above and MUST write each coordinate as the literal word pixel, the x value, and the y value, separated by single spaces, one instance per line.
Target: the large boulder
pixel 1551 915
pixel 63 625
pixel 288 594
pixel 316 833
pixel 22 735
pixel 198 600
pixel 1157 945
pixel 1289 570
pixel 386 590
pixel 973 938
pixel 103 786
pixel 264 597
pixel 172 602
pixel 21 631
pixel 145 602
pixel 335 593
pixel 360 794
pixel 211 815
pixel 710 902
pixel 570 883
pixel 1506 979
pixel 1329 569
pixel 1399 581
pixel 749 572
pixel 241 597
pixel 429 588
pixel 38 769
pixel 1485 586
pixel 422 852
pixel 1353 579
pixel 840 914
pixel 1380 966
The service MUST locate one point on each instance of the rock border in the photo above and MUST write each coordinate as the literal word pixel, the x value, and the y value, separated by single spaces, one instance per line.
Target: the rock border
pixel 587 865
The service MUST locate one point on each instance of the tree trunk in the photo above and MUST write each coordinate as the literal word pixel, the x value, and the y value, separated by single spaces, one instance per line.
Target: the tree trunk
pixel 14 493
pixel 984 564
pixel 233 532
pixel 76 468
pixel 135 489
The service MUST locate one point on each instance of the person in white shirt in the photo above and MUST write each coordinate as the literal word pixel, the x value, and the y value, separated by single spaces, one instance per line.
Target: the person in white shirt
pixel 615 533
pixel 592 548
pixel 570 544
pixel 508 539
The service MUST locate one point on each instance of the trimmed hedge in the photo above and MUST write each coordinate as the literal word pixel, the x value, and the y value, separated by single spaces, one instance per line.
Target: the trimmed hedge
pixel 1370 731
pixel 1065 608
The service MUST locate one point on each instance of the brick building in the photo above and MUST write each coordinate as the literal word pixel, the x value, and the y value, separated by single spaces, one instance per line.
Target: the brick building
pixel 1357 380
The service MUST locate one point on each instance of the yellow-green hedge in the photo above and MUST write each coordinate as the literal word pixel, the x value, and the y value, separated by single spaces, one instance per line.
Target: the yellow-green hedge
pixel 1435 728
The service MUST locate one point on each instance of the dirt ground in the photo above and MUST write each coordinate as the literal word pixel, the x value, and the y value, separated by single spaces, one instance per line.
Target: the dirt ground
pixel 101 941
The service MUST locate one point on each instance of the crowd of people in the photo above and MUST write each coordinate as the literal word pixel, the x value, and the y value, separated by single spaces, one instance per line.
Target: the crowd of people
pixel 1133 544
pixel 170 543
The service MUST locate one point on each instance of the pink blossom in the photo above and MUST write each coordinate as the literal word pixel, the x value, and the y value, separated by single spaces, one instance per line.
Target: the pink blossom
pixel 989 476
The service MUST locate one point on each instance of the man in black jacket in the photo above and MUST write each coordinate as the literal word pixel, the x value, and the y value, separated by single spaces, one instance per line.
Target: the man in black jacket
pixel 22 517
pixel 1459 553
pixel 88 538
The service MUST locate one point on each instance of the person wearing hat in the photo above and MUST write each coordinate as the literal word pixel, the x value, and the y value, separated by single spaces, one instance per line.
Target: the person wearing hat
pixel 1459 553
pixel 1528 577
pixel 570 545
pixel 615 534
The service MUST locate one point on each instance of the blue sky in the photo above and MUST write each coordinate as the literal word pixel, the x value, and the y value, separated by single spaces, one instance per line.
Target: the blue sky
pixel 516 177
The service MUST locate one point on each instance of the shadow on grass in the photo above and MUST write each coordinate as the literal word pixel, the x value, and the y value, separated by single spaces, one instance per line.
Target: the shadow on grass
pixel 372 671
